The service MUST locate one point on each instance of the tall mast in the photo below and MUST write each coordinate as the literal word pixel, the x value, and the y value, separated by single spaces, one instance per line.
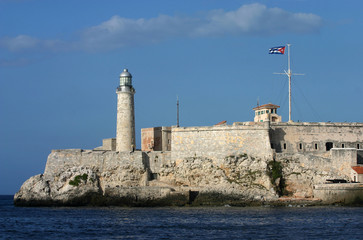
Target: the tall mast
pixel 289 74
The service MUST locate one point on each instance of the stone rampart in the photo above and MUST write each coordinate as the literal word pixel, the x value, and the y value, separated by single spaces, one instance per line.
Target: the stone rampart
pixel 217 142
pixel 315 137
pixel 346 193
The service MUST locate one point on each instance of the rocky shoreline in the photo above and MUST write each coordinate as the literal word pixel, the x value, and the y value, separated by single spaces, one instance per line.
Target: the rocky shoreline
pixel 92 178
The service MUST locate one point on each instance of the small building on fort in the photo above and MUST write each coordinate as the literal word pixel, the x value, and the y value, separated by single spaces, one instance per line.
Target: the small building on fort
pixel 267 112
pixel 156 139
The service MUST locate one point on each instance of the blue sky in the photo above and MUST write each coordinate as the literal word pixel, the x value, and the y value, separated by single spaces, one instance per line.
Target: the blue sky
pixel 60 62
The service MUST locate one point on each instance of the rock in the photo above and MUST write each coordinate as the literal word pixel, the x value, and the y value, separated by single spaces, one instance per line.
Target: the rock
pixel 70 188
pixel 35 191
pixel 77 177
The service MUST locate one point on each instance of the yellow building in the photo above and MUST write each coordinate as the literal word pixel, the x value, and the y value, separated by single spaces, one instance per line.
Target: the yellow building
pixel 267 112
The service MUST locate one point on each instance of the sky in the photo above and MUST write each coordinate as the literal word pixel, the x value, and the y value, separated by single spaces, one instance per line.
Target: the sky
pixel 60 62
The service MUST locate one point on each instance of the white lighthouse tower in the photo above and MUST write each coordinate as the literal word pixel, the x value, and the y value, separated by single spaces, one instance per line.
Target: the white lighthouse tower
pixel 125 133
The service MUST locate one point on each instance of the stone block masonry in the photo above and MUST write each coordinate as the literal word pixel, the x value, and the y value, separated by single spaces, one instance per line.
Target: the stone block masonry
pixel 345 193
pixel 125 135
pixel 315 137
pixel 217 142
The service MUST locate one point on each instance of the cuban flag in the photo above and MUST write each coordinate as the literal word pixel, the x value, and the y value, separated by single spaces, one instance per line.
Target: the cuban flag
pixel 277 50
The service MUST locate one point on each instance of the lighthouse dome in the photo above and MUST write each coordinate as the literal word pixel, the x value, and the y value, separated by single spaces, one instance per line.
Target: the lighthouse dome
pixel 125 73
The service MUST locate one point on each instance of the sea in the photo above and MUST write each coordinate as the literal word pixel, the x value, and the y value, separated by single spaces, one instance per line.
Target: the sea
pixel 291 222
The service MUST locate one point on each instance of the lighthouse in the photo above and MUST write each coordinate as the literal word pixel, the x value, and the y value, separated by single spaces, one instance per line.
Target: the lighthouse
pixel 125 133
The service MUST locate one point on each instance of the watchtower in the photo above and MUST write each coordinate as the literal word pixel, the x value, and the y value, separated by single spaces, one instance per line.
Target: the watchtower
pixel 267 112
pixel 125 133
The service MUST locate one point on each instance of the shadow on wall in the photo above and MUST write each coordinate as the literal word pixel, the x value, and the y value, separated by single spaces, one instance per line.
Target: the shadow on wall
pixel 146 160
pixel 360 157
pixel 277 136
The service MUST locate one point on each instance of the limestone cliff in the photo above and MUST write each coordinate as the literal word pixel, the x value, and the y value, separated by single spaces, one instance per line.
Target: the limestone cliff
pixel 84 177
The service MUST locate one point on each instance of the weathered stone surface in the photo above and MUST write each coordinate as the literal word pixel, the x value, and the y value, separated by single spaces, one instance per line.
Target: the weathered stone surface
pixel 34 191
pixel 217 142
pixel 312 137
pixel 79 177
pixel 340 193
pixel 302 171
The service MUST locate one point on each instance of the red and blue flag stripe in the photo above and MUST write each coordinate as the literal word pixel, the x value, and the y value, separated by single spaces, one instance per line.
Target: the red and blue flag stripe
pixel 277 50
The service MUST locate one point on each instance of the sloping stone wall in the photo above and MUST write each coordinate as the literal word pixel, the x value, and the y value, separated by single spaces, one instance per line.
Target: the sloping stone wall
pixel 217 142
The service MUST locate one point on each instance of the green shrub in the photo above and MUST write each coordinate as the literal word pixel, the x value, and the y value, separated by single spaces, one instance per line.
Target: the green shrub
pixel 77 179
pixel 274 171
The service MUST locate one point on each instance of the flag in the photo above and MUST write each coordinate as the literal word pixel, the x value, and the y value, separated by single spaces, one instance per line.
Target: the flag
pixel 277 50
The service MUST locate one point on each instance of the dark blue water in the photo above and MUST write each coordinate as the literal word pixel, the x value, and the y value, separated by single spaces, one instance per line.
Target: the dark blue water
pixel 180 223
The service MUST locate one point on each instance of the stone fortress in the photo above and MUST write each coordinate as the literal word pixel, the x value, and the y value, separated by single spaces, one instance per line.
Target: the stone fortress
pixel 243 163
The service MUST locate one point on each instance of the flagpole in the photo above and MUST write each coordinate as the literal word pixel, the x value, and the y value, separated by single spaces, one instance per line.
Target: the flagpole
pixel 289 74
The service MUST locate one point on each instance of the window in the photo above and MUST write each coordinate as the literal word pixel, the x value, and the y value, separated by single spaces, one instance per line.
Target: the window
pixel 267 111
pixel 272 145
pixel 284 145
pixel 343 145
pixel 316 146
pixel 272 111
pixel 358 146
pixel 300 146
pixel 328 146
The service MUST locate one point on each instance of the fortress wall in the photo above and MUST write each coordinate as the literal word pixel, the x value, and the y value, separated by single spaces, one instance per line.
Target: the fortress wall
pixel 156 160
pixel 217 142
pixel 61 160
pixel 347 193
pixel 309 134
pixel 343 159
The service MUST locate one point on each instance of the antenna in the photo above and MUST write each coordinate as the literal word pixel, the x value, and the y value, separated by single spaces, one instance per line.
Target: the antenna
pixel 289 74
pixel 177 110
pixel 258 101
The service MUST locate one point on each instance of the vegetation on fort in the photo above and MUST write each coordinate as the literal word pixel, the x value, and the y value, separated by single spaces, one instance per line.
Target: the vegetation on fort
pixel 274 171
pixel 77 180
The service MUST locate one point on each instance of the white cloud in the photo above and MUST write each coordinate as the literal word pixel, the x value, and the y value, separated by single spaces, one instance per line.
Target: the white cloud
pixel 257 19
pixel 253 19
pixel 21 42
pixel 117 32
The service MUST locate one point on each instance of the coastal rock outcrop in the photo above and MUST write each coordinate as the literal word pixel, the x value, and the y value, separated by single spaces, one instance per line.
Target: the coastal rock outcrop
pixel 77 177
pixel 70 187
pixel 82 177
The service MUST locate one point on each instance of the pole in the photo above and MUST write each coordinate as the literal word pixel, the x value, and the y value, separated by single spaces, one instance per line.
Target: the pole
pixel 289 75
pixel 177 111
